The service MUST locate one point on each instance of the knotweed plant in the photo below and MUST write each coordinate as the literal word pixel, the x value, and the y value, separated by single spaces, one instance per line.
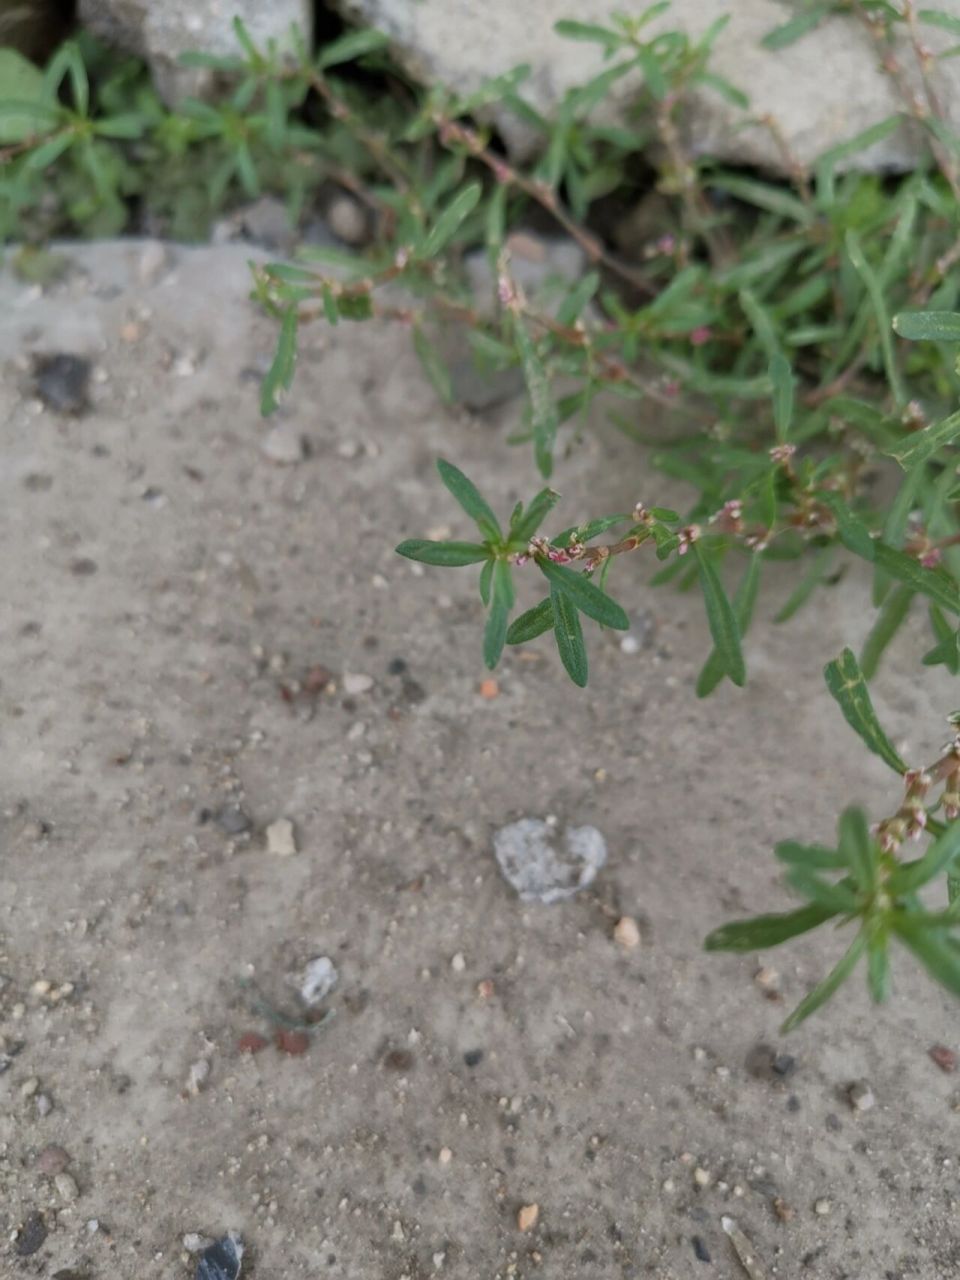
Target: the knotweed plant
pixel 799 336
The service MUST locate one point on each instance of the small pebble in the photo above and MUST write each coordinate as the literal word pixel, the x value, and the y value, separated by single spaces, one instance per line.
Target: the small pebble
pixel 198 1076
pixel 702 1177
pixel 221 1260
pixel 31 1235
pixel 445 1156
pixel 489 689
pixel 629 644
pixel 700 1250
pixel 67 1189
pixel 626 933
pixel 29 1087
pixel 232 820
pixel 860 1096
pixel 61 382
pixel 52 1160
pixel 43 1104
pixel 945 1058
pixel 458 963
pixel 356 682
pixel 283 444
pixel 193 1242
pixel 347 220
pixel 784 1211
pixel 822 1207
pixel 252 1042
pixel 294 1043
pixel 528 1216
pixel 280 838
pixel 319 978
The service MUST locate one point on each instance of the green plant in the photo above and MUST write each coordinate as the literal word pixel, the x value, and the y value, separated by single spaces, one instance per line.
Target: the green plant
pixel 799 336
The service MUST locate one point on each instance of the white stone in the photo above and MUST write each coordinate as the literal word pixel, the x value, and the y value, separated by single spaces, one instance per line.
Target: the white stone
pixel 319 978
pixel 281 839
pixel 357 682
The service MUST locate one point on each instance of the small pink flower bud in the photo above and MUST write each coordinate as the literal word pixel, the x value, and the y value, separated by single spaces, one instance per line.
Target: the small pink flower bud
pixel 783 452
pixel 701 335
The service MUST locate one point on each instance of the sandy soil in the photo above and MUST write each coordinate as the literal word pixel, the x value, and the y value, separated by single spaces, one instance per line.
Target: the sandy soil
pixel 169 592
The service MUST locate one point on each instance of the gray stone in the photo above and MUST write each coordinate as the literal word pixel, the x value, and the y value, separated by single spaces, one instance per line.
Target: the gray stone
pixel 544 865
pixel 160 33
pixel 822 90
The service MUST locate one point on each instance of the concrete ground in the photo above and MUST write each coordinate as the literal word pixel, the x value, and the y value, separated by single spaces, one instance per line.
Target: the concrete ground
pixel 170 592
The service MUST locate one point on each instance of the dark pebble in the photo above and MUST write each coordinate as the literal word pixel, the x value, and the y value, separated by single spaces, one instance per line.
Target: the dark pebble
pixel 221 1261
pixel 83 567
pixel 232 820
pixel 36 482
pixel 793 1103
pixel 397 666
pixel 764 1063
pixel 61 382
pixel 32 1235
pixel 834 1123
pixel 701 1252
pixel 473 1057
pixel 398 1060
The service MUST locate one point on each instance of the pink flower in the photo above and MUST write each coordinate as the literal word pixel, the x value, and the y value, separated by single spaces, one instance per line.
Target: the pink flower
pixel 702 334
pixel 689 534
pixel 782 453
pixel 930 559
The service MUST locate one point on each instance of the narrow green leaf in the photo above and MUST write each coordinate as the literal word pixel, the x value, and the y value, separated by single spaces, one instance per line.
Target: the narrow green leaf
pixel 280 374
pixel 569 637
pixel 782 380
pixel 936 584
pixel 570 308
pixel 847 685
pixel 874 287
pixel 762 195
pixel 946 21
pixel 587 597
pixel 890 619
pixel 940 856
pixel 588 31
pixel 533 517
pixel 531 624
pixel 858 847
pixel 355 44
pixel 928 326
pixel 810 855
pixel 744 600
pixel 933 948
pixel 49 151
pixel 449 220
pixel 947 648
pixel 433 366
pixel 788 32
pixel 878 962
pixel 839 896
pixel 467 494
pixel 495 633
pixel 503 589
pixel 23 111
pixel 829 986
pixel 486 578
pixel 827 163
pixel 920 446
pixel 760 932
pixel 544 418
pixel 450 555
pixel 721 617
